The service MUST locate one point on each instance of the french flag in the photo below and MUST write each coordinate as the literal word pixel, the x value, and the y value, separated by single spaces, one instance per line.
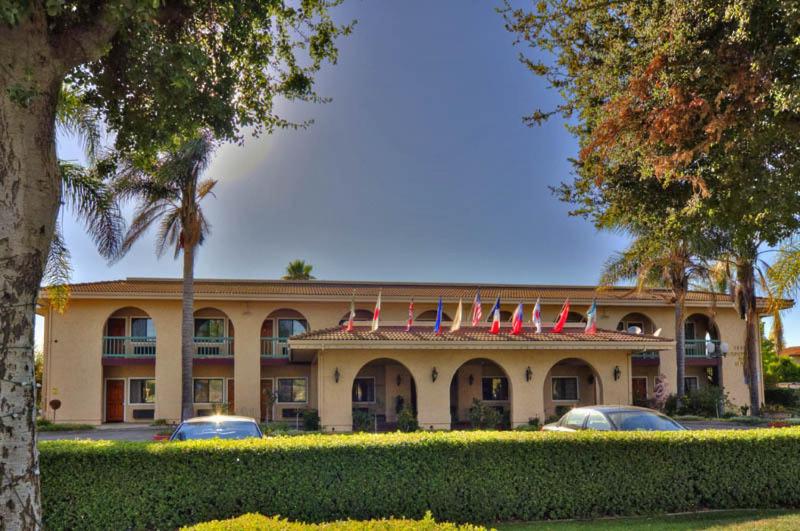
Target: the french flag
pixel 516 321
pixel 495 329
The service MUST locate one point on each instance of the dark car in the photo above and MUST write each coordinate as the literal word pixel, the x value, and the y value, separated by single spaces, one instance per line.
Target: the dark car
pixel 614 418
pixel 216 427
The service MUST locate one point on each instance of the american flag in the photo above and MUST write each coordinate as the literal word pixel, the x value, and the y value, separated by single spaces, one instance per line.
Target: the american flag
pixel 477 312
pixel 410 315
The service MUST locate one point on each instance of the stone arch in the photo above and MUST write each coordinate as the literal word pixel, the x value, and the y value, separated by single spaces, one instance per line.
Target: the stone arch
pixel 278 327
pixel 429 316
pixel 482 379
pixel 129 331
pixel 379 390
pixel 571 382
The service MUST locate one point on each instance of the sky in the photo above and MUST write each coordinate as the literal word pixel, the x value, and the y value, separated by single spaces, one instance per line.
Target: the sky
pixel 419 169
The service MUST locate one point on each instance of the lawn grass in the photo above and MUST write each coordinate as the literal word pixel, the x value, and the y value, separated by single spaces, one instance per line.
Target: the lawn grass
pixel 46 425
pixel 779 520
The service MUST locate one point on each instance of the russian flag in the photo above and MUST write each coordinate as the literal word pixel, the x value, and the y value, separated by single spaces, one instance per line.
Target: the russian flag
pixel 437 327
pixel 516 320
pixel 495 329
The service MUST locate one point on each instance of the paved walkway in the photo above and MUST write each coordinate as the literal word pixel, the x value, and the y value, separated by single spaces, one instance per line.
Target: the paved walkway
pixel 109 433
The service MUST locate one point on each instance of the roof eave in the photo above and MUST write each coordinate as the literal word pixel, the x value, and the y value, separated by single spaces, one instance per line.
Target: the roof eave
pixel 480 345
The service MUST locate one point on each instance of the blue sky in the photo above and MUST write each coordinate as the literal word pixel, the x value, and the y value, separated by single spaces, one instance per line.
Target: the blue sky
pixel 419 169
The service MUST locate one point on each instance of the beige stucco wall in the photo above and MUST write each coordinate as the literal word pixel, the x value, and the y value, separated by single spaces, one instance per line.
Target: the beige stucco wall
pixel 74 370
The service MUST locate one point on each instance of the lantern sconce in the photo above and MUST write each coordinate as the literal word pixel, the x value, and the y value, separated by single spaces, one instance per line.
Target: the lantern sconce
pixel 434 374
pixel 336 375
pixel 471 379
pixel 617 372
pixel 528 374
pixel 399 380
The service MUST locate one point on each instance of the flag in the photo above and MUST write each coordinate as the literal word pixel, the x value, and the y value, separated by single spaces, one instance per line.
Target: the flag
pixel 376 315
pixel 457 321
pixel 410 315
pixel 495 318
pixel 558 326
pixel 537 317
pixel 516 320
pixel 437 327
pixel 477 313
pixel 591 319
pixel 351 319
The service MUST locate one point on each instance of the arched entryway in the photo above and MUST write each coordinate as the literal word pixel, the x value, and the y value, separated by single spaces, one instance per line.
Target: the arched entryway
pixel 381 390
pixel 429 316
pixel 480 396
pixel 703 353
pixel 128 358
pixel 570 383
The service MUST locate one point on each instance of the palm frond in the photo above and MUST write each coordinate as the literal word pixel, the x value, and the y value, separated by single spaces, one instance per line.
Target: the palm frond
pixel 143 219
pixel 75 116
pixel 169 232
pixel 58 272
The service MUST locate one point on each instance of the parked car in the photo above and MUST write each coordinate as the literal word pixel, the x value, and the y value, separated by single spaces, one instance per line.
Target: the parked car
pixel 216 427
pixel 614 418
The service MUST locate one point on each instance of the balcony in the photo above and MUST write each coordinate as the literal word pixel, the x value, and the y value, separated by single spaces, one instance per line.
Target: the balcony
pixel 213 347
pixel 647 355
pixel 698 348
pixel 129 347
pixel 274 348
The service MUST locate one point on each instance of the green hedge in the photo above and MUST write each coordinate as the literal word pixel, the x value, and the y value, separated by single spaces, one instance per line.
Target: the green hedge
pixel 459 476
pixel 259 522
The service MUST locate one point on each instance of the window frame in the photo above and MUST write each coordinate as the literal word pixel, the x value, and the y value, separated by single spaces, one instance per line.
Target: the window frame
pixel 374 390
pixel 696 383
pixel 496 400
pixel 566 400
pixel 129 325
pixel 646 385
pixel 277 326
pixel 224 327
pixel 144 378
pixel 278 389
pixel 209 379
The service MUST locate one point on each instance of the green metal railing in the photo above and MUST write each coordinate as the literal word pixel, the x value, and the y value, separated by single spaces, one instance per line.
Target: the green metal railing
pixel 213 347
pixel 697 348
pixel 274 347
pixel 128 346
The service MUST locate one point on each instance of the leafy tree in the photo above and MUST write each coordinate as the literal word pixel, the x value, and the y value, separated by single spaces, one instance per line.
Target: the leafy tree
pixel 777 368
pixel 156 71
pixel 170 195
pixel 298 270
pixel 704 94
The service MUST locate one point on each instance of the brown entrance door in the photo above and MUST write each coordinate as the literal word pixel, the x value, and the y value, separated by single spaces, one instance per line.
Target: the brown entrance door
pixel 639 390
pixel 266 399
pixel 231 401
pixel 115 400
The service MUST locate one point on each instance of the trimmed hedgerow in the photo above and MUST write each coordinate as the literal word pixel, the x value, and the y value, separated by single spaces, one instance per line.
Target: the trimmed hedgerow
pixel 253 522
pixel 459 476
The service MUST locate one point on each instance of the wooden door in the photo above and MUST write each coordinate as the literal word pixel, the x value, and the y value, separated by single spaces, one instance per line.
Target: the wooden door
pixel 231 396
pixel 639 390
pixel 115 400
pixel 266 402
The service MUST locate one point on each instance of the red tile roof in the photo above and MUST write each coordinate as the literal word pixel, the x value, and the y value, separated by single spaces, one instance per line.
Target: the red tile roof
pixel 791 351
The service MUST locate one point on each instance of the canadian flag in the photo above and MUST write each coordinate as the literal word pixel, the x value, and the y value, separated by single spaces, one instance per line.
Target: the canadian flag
pixel 376 315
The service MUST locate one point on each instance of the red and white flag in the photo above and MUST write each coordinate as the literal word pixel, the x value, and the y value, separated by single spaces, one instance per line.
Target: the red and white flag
pixel 477 312
pixel 376 315
pixel 351 319
pixel 410 321
pixel 495 328
pixel 562 318
pixel 537 317
pixel 516 320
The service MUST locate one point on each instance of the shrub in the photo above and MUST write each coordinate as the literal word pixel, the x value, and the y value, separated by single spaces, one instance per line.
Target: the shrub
pixel 484 417
pixel 709 401
pixel 362 420
pixel 459 476
pixel 264 523
pixel 407 421
pixel 311 420
pixel 46 425
pixel 781 397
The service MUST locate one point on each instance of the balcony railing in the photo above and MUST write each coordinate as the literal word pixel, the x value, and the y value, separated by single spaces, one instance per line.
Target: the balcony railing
pixel 274 347
pixel 697 348
pixel 647 355
pixel 213 347
pixel 129 347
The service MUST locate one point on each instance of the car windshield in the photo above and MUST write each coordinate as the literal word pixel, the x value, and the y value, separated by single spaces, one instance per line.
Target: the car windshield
pixel 222 430
pixel 642 420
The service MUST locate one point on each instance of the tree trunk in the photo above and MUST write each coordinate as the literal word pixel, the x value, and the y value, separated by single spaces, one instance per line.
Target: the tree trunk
pixel 30 188
pixel 187 334
pixel 680 345
pixel 746 284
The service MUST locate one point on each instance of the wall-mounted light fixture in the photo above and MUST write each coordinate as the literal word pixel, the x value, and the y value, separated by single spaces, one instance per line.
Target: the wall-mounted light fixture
pixel 399 380
pixel 336 375
pixel 617 372
pixel 434 374
pixel 471 379
pixel 528 374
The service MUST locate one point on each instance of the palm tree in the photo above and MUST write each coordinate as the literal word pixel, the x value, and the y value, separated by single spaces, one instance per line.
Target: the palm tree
pixel 298 270
pixel 169 193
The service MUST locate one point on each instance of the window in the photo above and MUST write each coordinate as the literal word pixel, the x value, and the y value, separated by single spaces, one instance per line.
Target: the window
pixel 142 327
pixel 574 419
pixel 575 317
pixel 495 388
pixel 631 326
pixel 292 390
pixel 291 327
pixel 142 391
pixel 364 390
pixel 208 390
pixel 565 388
pixel 689 330
pixel 206 327
pixel 690 384
pixel 597 421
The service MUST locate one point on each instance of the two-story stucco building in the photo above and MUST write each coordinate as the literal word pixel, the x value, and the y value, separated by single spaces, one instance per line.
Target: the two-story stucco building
pixel 270 349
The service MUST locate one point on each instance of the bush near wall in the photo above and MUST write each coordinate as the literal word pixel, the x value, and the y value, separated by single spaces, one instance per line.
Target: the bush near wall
pixel 459 476
pixel 253 522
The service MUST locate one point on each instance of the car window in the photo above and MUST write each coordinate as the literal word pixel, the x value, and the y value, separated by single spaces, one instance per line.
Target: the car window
pixel 597 421
pixel 211 430
pixel 574 419
pixel 642 421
